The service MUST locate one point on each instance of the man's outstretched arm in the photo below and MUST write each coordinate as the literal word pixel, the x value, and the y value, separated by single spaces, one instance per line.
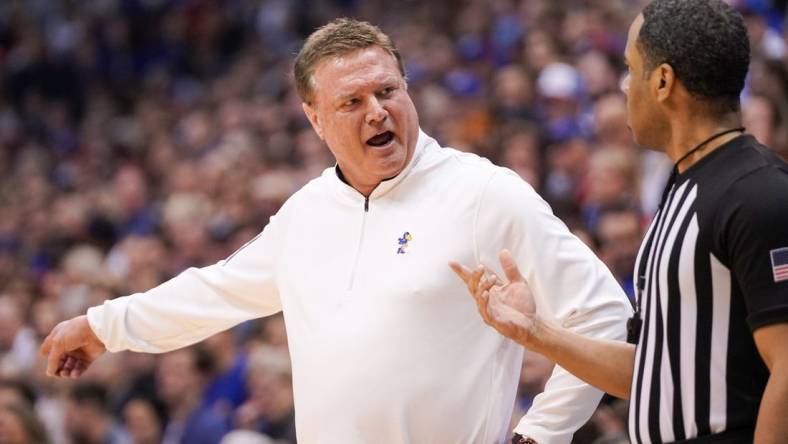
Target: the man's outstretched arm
pixel 182 311
pixel 509 307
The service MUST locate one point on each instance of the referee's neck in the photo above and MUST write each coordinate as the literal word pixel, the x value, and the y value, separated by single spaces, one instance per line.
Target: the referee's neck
pixel 687 133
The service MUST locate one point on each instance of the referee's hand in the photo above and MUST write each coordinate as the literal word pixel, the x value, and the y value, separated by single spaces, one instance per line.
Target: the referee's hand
pixel 508 307
pixel 70 348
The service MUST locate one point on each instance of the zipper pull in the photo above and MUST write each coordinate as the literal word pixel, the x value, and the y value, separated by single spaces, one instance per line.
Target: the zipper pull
pixel 366 204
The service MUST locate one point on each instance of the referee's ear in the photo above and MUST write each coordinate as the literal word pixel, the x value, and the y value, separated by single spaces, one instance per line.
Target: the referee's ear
pixel 663 81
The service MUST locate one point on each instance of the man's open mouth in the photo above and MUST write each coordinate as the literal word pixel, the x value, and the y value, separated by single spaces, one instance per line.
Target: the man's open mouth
pixel 381 139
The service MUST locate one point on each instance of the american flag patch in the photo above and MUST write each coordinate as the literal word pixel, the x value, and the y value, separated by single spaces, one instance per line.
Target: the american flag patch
pixel 780 264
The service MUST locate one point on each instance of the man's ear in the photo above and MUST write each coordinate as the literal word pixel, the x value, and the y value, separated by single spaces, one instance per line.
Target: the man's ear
pixel 663 81
pixel 311 114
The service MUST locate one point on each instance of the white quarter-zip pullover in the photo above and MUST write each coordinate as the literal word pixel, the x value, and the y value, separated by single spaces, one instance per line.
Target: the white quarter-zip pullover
pixel 386 344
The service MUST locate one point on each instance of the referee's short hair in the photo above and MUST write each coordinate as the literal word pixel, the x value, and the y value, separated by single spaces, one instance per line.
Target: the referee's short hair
pixel 706 44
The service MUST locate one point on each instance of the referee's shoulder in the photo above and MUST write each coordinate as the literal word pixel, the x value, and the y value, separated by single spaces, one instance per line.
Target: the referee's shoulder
pixel 764 171
pixel 750 168
pixel 759 193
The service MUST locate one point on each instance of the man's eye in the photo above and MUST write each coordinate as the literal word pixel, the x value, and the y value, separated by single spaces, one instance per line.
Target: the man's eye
pixel 387 91
pixel 350 103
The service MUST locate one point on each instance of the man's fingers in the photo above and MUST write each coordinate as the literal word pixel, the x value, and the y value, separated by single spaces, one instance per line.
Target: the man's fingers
pixel 486 282
pixel 69 363
pixel 476 275
pixel 46 346
pixel 479 282
pixel 510 267
pixel 471 279
pixel 79 369
pixel 71 367
pixel 482 301
pixel 55 359
pixel 461 270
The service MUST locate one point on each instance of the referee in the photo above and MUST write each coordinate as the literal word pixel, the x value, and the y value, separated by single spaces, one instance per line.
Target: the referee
pixel 710 362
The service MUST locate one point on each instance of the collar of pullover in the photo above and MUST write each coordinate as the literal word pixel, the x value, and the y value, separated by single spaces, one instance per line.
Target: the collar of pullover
pixel 384 187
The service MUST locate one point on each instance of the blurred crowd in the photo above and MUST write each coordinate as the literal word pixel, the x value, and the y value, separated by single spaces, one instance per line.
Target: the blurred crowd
pixel 142 137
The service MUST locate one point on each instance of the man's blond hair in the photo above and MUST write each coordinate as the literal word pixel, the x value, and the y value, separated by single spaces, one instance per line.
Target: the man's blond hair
pixel 335 39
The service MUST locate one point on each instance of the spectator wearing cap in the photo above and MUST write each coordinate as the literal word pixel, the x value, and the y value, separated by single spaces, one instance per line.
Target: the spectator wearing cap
pixel 561 89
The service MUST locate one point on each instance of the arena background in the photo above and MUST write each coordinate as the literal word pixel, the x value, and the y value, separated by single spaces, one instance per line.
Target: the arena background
pixel 141 137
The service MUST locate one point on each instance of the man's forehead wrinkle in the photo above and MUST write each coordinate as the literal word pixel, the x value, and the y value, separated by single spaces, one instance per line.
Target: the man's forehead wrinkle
pixel 359 57
pixel 348 74
pixel 353 83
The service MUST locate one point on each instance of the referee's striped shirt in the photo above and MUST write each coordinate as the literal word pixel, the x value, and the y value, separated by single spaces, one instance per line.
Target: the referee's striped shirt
pixel 710 279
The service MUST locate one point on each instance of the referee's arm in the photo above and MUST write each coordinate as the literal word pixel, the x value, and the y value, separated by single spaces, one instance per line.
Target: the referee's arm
pixel 605 364
pixel 753 228
pixel 510 309
pixel 771 342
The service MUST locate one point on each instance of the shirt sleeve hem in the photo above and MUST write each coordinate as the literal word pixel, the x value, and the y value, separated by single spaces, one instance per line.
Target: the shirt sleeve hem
pixel 93 314
pixel 774 315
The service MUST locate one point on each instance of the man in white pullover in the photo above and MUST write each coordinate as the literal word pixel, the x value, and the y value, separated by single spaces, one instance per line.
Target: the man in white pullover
pixel 385 345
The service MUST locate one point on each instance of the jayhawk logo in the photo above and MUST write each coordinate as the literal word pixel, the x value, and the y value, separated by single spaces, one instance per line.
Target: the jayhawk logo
pixel 403 242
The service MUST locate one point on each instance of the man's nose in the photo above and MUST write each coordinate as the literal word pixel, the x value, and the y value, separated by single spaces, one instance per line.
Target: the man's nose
pixel 624 85
pixel 376 113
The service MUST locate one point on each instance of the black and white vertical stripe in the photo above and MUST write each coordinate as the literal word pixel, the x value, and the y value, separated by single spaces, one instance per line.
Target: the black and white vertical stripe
pixel 679 382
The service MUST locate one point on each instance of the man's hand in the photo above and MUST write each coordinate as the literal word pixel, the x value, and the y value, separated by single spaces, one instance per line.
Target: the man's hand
pixel 71 347
pixel 508 307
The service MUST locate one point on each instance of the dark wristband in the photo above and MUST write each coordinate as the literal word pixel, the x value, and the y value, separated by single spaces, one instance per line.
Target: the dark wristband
pixel 520 439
